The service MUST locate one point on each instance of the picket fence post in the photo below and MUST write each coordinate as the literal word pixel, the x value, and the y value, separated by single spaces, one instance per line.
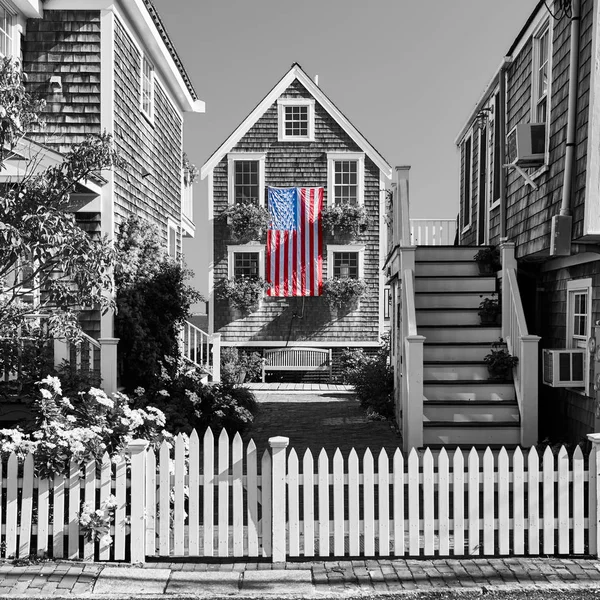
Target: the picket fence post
pixel 278 445
pixel 594 511
pixel 137 539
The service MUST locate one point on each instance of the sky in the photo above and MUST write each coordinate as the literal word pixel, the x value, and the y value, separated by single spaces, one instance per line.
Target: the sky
pixel 406 73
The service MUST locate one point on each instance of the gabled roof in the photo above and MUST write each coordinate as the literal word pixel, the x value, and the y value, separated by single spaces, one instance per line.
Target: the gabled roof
pixel 294 73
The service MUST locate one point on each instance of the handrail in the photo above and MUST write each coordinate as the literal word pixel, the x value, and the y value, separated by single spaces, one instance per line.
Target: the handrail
pixel 432 232
pixel 521 344
pixel 202 349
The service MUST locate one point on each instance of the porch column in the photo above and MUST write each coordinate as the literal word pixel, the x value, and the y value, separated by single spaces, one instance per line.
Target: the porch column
pixel 215 340
pixel 594 508
pixel 108 364
pixel 508 260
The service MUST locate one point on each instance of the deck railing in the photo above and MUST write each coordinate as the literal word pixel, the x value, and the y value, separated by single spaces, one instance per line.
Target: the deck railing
pixel 432 232
pixel 522 345
pixel 202 349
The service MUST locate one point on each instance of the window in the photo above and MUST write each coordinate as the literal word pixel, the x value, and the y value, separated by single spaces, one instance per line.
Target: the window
pixel 467 182
pixel 345 178
pixel 541 73
pixel 247 260
pixel 246 178
pixel 6 32
pixel 172 238
pixel 296 119
pixel 345 261
pixel 387 299
pixel 147 87
pixel 579 316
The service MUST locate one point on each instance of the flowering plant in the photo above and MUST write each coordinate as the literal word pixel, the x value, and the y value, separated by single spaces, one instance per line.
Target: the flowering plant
pixel 342 291
pixel 345 218
pixel 243 292
pixel 246 221
pixel 95 523
pixel 81 428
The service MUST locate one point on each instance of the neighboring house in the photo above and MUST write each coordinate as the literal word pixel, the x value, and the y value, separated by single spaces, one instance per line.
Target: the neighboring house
pixel 530 174
pixel 297 138
pixel 109 66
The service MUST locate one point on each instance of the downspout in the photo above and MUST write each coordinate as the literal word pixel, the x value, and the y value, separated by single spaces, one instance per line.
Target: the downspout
pixel 560 244
pixel 502 133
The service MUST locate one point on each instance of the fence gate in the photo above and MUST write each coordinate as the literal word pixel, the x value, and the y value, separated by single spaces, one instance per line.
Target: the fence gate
pixel 219 499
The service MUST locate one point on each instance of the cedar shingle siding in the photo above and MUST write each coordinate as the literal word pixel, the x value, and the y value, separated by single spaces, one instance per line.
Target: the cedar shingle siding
pixel 145 146
pixel 291 164
pixel 66 44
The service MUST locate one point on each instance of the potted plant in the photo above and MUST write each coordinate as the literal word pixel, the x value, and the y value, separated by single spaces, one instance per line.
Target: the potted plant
pixel 488 260
pixel 340 292
pixel 243 292
pixel 500 361
pixel 246 221
pixel 489 310
pixel 345 219
pixel 238 366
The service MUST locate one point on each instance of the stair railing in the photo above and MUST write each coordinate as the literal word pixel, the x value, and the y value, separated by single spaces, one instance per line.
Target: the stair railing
pixel 520 344
pixel 432 232
pixel 412 358
pixel 202 349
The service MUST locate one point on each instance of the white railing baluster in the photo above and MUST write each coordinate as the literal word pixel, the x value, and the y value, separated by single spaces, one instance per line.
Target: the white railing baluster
pixel 432 232
pixel 193 343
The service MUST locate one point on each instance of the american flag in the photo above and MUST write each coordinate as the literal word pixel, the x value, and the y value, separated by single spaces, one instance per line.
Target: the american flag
pixel 295 242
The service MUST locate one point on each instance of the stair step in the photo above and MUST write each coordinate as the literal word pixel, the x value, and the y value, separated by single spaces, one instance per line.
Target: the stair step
pixel 471 411
pixel 468 390
pixel 451 371
pixel 448 316
pixel 470 434
pixel 455 299
pixel 481 285
pixel 446 253
pixel 461 333
pixel 448 351
pixel 445 268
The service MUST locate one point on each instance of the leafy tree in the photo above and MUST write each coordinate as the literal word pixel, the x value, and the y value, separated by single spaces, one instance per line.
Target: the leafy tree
pixel 44 254
pixel 153 301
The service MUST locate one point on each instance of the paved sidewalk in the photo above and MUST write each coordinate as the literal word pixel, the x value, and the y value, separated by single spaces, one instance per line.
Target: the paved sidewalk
pixel 335 579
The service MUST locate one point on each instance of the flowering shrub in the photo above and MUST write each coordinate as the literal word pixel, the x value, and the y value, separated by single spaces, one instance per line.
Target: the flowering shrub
pixel 95 523
pixel 246 221
pixel 243 292
pixel 340 292
pixel 345 218
pixel 80 428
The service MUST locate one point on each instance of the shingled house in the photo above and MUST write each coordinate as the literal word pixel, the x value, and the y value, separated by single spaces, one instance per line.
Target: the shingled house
pixel 110 67
pixel 296 144
pixel 529 175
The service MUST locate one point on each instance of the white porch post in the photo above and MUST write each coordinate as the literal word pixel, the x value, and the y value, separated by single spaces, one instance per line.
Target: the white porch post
pixel 61 351
pixel 507 257
pixel 137 452
pixel 108 364
pixel 529 389
pixel 278 445
pixel 215 339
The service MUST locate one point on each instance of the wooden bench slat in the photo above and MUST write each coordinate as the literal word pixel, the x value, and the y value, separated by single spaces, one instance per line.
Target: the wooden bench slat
pixel 297 359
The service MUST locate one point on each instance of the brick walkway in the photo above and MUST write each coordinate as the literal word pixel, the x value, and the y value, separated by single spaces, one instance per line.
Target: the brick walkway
pixel 302 580
pixel 326 418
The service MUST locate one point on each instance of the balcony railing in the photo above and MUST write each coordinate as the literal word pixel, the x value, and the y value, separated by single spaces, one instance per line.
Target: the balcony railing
pixel 432 232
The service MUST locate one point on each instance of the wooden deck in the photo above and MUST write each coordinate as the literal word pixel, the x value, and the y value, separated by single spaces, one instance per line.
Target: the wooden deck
pixel 299 387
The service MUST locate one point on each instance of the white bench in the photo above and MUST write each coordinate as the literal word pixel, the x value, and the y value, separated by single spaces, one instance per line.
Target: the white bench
pixel 297 359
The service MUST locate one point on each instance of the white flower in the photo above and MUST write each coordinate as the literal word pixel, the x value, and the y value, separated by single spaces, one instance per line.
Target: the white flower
pixel 101 397
pixel 46 393
pixel 71 418
pixel 106 540
pixel 163 393
pixel 53 383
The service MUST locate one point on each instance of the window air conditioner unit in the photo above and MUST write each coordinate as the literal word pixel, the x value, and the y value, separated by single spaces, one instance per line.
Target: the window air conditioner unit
pixel 527 145
pixel 564 368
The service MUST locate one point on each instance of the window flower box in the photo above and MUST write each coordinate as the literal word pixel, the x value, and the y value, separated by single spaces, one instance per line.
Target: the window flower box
pixel 342 292
pixel 345 219
pixel 246 221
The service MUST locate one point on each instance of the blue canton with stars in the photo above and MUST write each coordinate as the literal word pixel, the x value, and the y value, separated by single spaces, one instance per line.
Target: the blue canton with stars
pixel 283 209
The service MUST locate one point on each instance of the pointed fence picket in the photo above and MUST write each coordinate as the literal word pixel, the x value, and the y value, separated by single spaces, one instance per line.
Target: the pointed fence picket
pixel 214 496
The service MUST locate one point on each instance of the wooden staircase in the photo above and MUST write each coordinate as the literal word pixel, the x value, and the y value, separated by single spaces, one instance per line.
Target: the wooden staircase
pixel 461 406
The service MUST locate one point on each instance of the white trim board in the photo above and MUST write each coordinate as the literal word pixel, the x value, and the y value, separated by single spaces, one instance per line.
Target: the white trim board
pixel 294 73
pixel 352 344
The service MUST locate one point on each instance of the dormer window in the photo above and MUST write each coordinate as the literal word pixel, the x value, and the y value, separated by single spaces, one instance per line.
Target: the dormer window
pixel 296 119
pixel 6 32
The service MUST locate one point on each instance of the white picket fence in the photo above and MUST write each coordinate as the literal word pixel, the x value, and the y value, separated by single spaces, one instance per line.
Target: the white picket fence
pixel 219 498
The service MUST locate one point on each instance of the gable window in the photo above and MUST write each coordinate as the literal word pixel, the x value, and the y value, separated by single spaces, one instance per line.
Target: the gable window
pixel 6 32
pixel 147 88
pixel 246 178
pixel 346 262
pixel 579 316
pixel 246 260
pixel 466 182
pixel 541 73
pixel 172 239
pixel 345 178
pixel 296 119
